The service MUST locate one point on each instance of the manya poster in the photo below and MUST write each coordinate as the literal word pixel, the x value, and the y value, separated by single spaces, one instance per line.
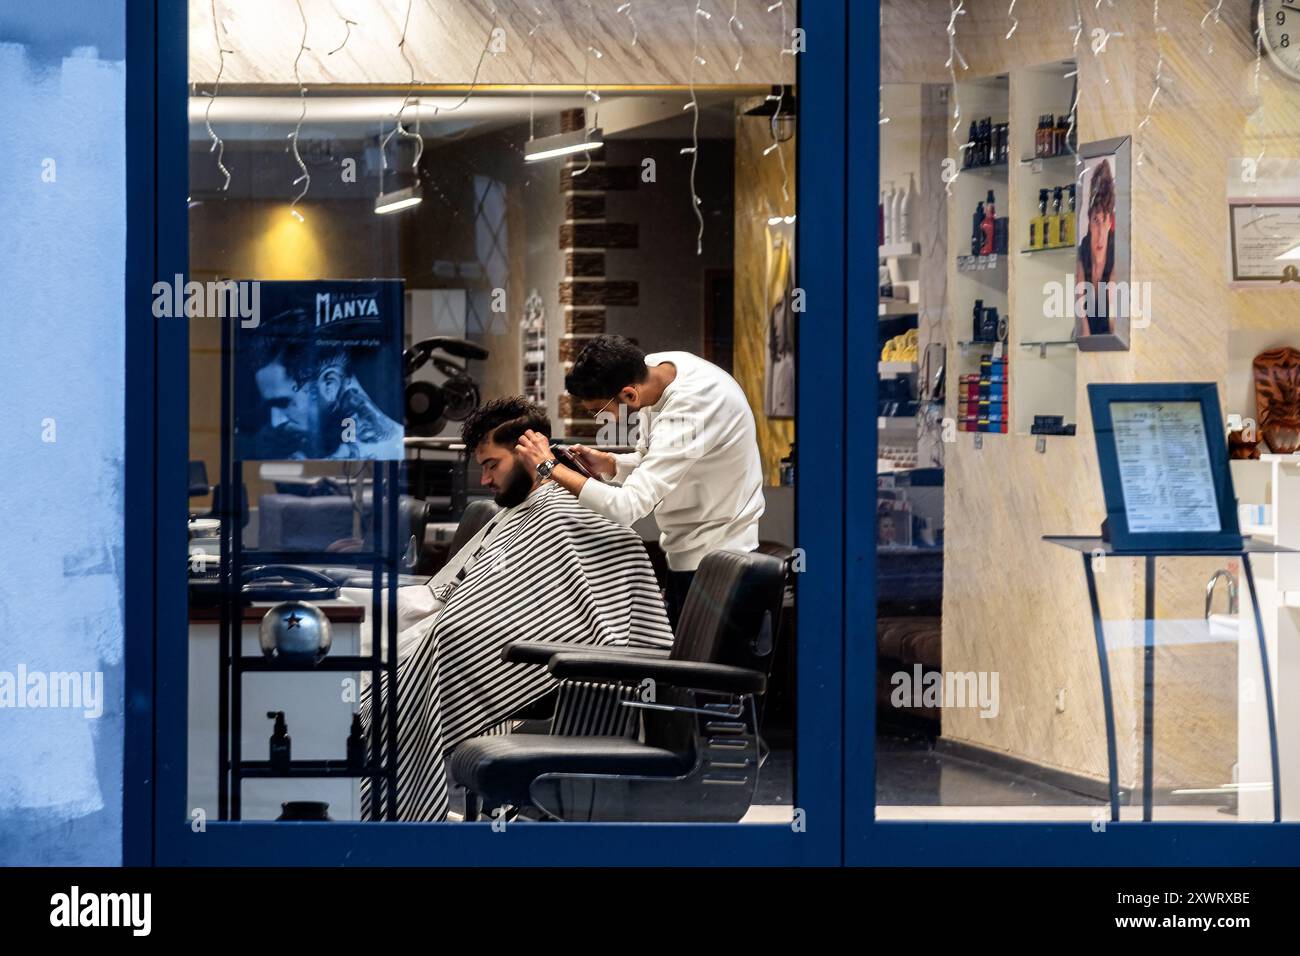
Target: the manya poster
pixel 319 375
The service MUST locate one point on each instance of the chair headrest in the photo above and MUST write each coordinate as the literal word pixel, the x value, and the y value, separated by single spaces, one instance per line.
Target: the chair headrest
pixel 731 611
pixel 477 513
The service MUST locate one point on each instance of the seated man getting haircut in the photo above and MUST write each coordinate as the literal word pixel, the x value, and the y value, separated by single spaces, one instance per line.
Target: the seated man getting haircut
pixel 544 568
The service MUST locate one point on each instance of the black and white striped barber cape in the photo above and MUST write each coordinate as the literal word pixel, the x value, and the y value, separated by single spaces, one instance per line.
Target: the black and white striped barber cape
pixel 554 571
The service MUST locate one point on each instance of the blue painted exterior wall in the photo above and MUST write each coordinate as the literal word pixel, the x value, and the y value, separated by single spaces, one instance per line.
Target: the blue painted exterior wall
pixel 62 387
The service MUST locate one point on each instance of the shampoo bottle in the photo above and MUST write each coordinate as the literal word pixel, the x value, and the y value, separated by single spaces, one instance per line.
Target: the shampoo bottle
pixel 899 232
pixel 891 225
pixel 906 226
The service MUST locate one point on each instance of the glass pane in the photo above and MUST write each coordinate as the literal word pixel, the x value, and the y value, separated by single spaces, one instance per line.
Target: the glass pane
pixel 1072 195
pixel 449 234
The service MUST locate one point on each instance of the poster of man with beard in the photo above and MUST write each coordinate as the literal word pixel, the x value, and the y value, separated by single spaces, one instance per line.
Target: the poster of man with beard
pixel 320 375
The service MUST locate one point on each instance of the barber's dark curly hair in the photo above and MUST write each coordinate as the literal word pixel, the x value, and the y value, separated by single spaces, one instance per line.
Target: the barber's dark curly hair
pixel 503 420
pixel 605 366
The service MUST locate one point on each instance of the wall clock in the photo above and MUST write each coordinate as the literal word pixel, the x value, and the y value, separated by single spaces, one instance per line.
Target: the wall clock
pixel 1278 22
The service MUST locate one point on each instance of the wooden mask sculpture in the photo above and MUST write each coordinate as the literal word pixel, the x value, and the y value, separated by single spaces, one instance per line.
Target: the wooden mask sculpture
pixel 1277 398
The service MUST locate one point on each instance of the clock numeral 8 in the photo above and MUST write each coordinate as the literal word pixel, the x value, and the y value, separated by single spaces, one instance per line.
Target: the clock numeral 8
pixel 1286 40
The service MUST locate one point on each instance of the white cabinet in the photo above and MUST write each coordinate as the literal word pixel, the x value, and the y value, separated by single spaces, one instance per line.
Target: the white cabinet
pixel 318 708
pixel 1272 481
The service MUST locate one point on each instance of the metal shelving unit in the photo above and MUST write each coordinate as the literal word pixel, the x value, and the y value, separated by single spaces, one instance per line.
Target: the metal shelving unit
pixel 233 769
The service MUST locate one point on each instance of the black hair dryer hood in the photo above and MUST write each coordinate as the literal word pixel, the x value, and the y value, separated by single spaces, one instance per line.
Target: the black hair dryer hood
pixel 430 406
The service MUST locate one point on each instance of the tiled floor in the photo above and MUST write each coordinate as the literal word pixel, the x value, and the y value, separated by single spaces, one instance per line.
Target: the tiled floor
pixel 916 782
pixel 911 773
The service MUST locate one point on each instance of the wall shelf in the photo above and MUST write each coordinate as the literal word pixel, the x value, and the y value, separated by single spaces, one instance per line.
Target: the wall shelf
pixel 892 307
pixel 895 369
pixel 988 263
pixel 1037 164
pixel 1045 356
pixel 1045 383
pixel 1045 345
pixel 899 250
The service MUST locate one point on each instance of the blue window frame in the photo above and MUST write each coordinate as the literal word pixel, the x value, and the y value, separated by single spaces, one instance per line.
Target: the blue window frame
pixel 157 829
pixel 838 187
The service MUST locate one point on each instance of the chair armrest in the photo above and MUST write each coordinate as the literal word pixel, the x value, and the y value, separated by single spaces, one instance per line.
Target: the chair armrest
pixel 695 675
pixel 541 652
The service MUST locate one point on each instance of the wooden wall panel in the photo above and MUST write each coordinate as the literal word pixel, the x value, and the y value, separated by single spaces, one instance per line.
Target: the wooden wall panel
pixel 758 197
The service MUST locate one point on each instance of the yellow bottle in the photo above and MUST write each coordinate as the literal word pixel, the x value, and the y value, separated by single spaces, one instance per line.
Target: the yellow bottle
pixel 1038 223
pixel 1052 222
pixel 1069 219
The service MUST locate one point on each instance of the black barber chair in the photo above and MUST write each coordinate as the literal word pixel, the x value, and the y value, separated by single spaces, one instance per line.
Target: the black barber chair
pixel 477 513
pixel 434 553
pixel 700 756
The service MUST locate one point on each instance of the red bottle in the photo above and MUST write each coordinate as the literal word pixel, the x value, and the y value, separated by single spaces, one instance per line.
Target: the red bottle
pixel 987 226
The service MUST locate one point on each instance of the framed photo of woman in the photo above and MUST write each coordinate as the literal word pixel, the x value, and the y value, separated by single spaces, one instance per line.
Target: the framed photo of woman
pixel 1103 290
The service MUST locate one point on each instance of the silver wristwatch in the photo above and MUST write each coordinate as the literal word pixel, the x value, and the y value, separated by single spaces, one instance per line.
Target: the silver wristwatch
pixel 545 468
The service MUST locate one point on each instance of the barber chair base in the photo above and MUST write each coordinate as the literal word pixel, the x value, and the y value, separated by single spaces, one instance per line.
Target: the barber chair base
pixel 562 777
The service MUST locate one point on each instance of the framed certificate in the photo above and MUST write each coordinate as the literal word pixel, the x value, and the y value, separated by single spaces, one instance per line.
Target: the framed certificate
pixel 1265 241
pixel 1164 467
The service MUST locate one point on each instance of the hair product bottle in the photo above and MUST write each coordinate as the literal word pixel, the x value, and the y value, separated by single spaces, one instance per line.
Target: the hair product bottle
pixel 891 224
pixel 356 745
pixel 907 207
pixel 988 226
pixel 1070 218
pixel 899 235
pixel 976 238
pixel 1036 222
pixel 280 742
pixel 1053 227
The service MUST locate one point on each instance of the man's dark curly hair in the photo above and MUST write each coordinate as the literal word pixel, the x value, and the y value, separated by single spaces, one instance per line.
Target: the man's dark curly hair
pixel 504 420
pixel 290 339
pixel 605 366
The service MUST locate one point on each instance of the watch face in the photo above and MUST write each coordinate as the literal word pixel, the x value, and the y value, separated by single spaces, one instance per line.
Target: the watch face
pixel 1278 23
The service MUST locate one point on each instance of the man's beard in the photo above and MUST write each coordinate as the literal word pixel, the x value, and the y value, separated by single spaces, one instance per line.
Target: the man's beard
pixel 517 487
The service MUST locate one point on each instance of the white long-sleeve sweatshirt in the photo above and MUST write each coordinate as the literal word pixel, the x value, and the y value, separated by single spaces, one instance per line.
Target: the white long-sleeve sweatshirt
pixel 696 466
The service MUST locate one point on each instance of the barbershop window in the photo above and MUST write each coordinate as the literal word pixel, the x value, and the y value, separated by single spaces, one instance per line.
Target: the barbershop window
pixel 425 242
pixel 1071 195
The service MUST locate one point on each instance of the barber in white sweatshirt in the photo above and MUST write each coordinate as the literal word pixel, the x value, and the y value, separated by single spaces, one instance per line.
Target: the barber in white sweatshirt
pixel 696 465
